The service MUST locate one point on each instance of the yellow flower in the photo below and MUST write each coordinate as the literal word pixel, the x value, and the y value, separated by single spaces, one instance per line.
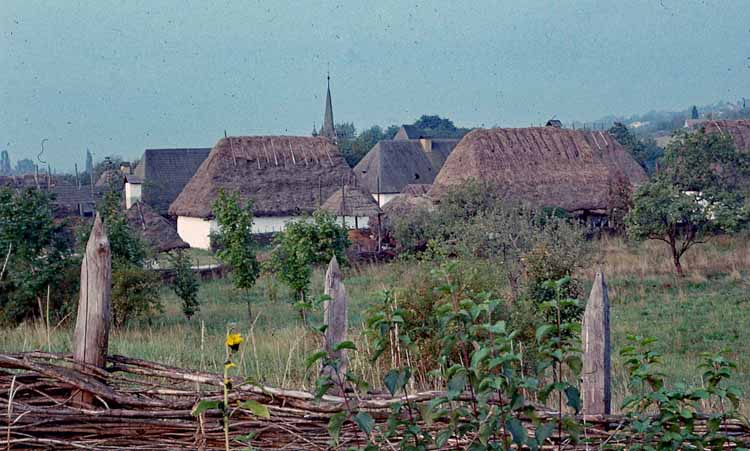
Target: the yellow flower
pixel 234 340
pixel 228 365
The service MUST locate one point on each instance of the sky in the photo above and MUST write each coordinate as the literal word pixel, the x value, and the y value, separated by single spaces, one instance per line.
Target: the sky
pixel 118 77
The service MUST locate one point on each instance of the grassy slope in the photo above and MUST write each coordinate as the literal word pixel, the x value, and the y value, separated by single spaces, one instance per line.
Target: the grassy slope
pixel 707 311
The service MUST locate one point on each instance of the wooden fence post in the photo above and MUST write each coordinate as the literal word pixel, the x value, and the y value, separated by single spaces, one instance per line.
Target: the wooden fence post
pixel 92 323
pixel 335 317
pixel 596 378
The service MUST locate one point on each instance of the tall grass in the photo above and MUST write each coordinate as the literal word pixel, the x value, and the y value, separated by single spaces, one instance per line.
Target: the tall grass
pixel 707 311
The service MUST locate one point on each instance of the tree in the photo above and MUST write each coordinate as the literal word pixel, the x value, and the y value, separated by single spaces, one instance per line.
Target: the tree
pixel 135 289
pixel 185 283
pixel 694 113
pixel 645 152
pixel 5 166
pixel 25 166
pixel 39 257
pixel 89 162
pixel 345 130
pixel 303 244
pixel 235 242
pixel 693 198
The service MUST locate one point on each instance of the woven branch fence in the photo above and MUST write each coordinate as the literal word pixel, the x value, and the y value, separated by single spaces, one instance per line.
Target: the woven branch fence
pixel 142 405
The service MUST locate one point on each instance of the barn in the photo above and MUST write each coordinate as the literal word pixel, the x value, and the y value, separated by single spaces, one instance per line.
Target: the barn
pixel 284 177
pixel 545 166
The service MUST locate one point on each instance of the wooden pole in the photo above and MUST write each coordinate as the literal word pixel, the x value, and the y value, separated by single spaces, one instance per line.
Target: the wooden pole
pixel 596 377
pixel 92 323
pixel 335 317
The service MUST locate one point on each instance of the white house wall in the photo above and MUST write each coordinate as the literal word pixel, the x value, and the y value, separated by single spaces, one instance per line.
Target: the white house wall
pixel 132 194
pixel 196 231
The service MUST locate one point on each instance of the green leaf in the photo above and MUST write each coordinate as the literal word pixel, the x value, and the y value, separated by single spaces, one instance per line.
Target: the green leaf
pixel 204 405
pixel 344 345
pixel 395 380
pixel 456 385
pixel 574 398
pixel 517 431
pixel 310 361
pixel 258 409
pixel 365 422
pixel 543 432
pixel 334 425
pixel 442 437
pixel 543 330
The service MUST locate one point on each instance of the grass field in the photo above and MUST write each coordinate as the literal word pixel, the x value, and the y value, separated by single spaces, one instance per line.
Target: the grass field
pixel 707 311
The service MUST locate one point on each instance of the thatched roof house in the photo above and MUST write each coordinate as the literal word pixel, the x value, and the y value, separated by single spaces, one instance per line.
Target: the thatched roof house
pixel 163 174
pixel 546 166
pixel 416 189
pixel 738 129
pixel 353 205
pixel 160 233
pixel 284 177
pixel 392 164
pixel 68 198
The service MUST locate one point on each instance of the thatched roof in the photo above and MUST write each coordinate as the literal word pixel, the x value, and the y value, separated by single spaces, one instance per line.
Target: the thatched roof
pixel 738 129
pixel 404 205
pixel 355 201
pixel 546 166
pixel 282 175
pixel 111 178
pixel 411 132
pixel 398 163
pixel 160 233
pixel 69 199
pixel 165 172
pixel 416 189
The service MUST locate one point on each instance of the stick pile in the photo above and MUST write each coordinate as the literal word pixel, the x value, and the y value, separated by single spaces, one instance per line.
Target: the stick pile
pixel 142 405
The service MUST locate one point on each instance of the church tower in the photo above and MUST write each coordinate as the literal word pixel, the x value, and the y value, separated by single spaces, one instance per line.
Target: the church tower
pixel 328 129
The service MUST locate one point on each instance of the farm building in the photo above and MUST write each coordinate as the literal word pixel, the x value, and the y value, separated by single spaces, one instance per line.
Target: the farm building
pixel 353 206
pixel 161 175
pixel 395 163
pixel 156 230
pixel 284 177
pixel 69 199
pixel 547 166
pixel 738 129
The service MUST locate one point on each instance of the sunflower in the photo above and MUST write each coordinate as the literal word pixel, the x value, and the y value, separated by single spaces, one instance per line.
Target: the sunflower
pixel 234 340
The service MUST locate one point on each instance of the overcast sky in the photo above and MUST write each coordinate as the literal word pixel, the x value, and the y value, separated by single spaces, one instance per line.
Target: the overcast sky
pixel 121 76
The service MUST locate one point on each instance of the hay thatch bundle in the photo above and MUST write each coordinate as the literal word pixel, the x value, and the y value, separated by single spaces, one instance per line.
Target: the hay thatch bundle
pixel 282 175
pixel 546 166
pixel 351 201
pixel 160 233
pixel 144 405
pixel 738 129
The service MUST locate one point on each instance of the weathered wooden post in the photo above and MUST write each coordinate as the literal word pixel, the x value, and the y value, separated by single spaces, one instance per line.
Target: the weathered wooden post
pixel 335 317
pixel 596 378
pixel 92 323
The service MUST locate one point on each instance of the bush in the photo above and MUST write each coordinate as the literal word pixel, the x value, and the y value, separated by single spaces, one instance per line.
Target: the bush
pixel 185 283
pixel 135 294
pixel 38 258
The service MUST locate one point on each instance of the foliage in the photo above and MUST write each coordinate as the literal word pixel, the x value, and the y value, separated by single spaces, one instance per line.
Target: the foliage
pixel 693 198
pixel 135 293
pixel 304 243
pixel 673 426
pixel 231 348
pixel 439 127
pixel 135 290
pixel 235 241
pixel 185 283
pixel 38 257
pixel 645 151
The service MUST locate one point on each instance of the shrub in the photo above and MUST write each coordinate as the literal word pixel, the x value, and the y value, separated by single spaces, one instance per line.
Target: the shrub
pixel 185 283
pixel 135 294
pixel 38 257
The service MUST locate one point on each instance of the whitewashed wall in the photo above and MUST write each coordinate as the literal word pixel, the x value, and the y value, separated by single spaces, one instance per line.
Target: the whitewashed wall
pixel 196 231
pixel 132 194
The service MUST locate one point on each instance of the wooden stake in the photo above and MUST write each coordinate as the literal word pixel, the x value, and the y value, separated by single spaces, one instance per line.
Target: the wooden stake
pixel 92 323
pixel 335 317
pixel 596 377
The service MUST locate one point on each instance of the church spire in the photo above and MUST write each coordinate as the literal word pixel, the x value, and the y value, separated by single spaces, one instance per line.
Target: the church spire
pixel 328 129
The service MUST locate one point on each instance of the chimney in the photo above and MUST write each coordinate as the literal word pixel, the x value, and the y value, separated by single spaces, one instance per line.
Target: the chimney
pixel 426 144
